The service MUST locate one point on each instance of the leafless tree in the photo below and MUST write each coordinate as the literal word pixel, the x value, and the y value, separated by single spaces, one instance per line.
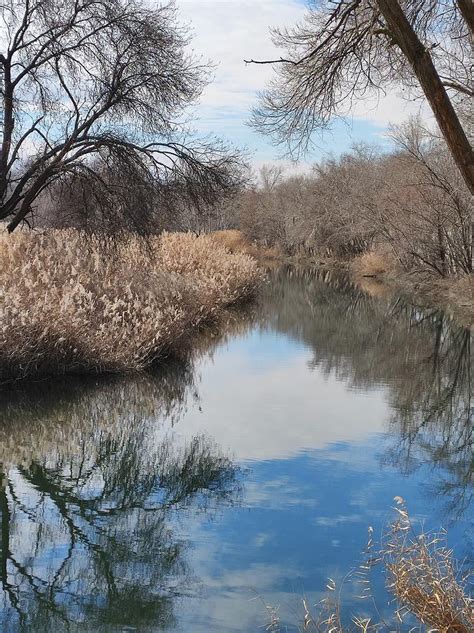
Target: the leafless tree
pixel 87 85
pixel 347 49
pixel 410 205
pixel 424 207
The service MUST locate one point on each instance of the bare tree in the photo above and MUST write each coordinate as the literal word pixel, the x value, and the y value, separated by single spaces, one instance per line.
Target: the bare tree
pixel 346 49
pixel 86 84
pixel 411 206
pixel 424 208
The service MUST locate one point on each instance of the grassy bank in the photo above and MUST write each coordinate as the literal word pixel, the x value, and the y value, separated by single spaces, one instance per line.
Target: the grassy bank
pixel 71 302
pixel 377 271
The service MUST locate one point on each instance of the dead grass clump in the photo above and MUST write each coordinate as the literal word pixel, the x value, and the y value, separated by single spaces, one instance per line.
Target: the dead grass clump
pixel 74 303
pixel 424 578
pixel 460 295
pixel 221 277
pixel 232 239
pixel 237 242
pixel 372 264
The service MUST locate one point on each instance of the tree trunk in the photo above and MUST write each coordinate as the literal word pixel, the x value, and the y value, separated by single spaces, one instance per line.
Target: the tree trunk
pixel 467 11
pixel 424 69
pixel 7 125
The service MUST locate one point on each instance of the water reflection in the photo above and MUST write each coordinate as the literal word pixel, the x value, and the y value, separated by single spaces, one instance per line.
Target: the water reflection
pixel 433 421
pixel 87 501
pixel 423 359
pixel 331 398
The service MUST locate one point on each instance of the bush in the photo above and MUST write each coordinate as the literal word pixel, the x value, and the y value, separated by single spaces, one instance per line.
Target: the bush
pixel 372 263
pixel 412 201
pixel 74 302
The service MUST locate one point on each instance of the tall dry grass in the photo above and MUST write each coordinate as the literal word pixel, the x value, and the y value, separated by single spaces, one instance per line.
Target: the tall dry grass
pixel 236 242
pixel 373 263
pixel 71 302
pixel 425 580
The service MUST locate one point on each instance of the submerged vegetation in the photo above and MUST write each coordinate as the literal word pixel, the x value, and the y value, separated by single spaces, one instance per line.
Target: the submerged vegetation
pixel 71 302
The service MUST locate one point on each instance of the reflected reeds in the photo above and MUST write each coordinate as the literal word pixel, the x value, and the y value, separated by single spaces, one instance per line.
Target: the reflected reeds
pixel 91 477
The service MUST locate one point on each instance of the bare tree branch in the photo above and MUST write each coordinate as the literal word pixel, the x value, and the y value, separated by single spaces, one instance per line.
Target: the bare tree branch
pixel 346 50
pixel 86 83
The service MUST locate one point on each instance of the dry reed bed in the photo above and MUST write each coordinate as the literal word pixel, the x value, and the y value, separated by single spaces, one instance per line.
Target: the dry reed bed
pixel 237 242
pixel 71 302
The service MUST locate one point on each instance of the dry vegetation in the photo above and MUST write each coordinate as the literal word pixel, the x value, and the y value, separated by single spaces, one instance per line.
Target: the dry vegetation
pixel 372 264
pixel 71 302
pixel 407 210
pixel 236 242
pixel 403 216
pixel 422 576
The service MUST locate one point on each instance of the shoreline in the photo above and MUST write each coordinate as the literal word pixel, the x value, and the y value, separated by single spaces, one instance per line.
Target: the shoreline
pixel 373 274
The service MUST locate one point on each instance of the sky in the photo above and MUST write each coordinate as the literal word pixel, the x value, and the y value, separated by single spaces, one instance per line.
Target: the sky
pixel 227 32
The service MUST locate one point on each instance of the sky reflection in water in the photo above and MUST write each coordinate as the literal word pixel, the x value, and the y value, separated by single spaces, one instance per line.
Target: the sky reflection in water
pixel 187 499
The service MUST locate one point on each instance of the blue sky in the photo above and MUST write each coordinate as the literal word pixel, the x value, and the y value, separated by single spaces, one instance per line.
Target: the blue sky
pixel 226 32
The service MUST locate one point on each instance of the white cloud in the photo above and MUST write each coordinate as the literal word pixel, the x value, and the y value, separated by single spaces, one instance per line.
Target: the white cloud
pixel 332 521
pixel 229 31
pixel 277 410
pixel 391 108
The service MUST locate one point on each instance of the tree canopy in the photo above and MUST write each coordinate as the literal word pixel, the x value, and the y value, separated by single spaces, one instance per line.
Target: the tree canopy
pixel 87 85
pixel 345 50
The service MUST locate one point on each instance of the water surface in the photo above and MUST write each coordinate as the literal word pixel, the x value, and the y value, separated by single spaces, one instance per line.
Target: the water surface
pixel 242 476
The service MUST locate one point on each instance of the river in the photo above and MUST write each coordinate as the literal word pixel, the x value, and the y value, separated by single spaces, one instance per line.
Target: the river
pixel 237 479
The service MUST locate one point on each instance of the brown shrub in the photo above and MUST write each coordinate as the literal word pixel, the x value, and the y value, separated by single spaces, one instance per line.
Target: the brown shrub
pixel 232 239
pixel 372 264
pixel 236 242
pixel 71 302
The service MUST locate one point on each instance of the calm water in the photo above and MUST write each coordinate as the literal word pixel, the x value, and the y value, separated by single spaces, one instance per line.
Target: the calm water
pixel 243 476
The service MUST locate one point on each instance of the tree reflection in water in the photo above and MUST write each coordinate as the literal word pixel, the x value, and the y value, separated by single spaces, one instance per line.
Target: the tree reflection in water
pixel 91 478
pixel 89 484
pixel 368 338
pixel 434 421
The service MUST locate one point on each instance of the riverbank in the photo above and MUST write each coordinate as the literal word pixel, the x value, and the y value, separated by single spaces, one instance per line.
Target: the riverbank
pixel 71 302
pixel 376 273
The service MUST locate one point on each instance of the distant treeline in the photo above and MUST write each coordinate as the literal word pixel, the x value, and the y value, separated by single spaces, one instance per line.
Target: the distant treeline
pixel 411 204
